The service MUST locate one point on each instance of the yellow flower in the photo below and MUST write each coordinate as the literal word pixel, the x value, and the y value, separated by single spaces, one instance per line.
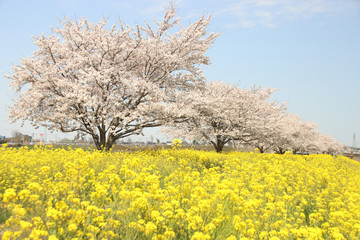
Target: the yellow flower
pixel 150 227
pixel 36 234
pixel 9 195
pixel 200 236
pixel 209 228
pixel 72 227
pixel 232 237
pixel 25 225
pixel 19 211
pixel 166 193
pixel 170 233
pixel 7 235
pixel 274 238
pixel 176 143
pixel 52 213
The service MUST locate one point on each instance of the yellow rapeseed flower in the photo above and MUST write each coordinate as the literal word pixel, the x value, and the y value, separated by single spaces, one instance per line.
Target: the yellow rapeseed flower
pixel 177 193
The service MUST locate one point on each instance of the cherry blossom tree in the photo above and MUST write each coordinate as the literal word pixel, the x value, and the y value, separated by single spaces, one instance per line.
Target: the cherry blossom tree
pixel 221 113
pixel 326 144
pixel 268 132
pixel 109 82
pixel 285 132
pixel 288 132
pixel 292 133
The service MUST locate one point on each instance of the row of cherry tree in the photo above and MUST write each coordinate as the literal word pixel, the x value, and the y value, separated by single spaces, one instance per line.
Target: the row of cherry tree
pixel 112 82
pixel 221 113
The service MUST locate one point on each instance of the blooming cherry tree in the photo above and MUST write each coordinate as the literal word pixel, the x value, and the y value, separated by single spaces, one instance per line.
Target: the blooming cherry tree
pixel 221 113
pixel 109 82
pixel 326 144
pixel 292 133
pixel 289 132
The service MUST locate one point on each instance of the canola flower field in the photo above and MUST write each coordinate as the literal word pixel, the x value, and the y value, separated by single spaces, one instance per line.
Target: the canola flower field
pixel 49 193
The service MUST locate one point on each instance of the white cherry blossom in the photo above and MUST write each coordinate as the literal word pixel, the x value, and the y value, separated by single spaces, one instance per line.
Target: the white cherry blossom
pixel 109 82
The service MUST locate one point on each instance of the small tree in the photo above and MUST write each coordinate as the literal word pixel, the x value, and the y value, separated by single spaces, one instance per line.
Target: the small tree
pixel 109 83
pixel 279 134
pixel 290 132
pixel 267 133
pixel 221 113
pixel 326 144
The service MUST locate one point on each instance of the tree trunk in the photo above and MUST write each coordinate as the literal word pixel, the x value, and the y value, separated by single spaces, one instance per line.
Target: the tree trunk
pixel 279 150
pixel 219 144
pixel 261 149
pixel 110 142
pixel 101 143
pixel 97 142
pixel 219 148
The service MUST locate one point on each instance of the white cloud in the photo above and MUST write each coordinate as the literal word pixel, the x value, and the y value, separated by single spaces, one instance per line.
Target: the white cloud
pixel 266 18
pixel 270 13
pixel 247 24
pixel 156 7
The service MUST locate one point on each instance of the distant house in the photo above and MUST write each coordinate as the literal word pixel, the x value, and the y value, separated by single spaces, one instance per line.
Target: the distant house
pixel 19 139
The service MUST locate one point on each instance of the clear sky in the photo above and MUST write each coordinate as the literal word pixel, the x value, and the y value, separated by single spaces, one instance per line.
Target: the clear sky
pixel 308 49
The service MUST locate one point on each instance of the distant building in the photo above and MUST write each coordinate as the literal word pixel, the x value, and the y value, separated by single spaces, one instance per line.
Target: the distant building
pixel 19 139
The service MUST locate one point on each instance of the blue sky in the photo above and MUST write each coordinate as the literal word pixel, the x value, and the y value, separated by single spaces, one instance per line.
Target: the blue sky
pixel 309 49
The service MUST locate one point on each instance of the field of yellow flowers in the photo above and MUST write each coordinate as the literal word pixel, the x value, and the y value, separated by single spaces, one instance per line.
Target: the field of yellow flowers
pixel 49 193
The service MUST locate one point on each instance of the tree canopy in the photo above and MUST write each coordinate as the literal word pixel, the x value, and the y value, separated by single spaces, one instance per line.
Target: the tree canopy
pixel 109 82
pixel 221 113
